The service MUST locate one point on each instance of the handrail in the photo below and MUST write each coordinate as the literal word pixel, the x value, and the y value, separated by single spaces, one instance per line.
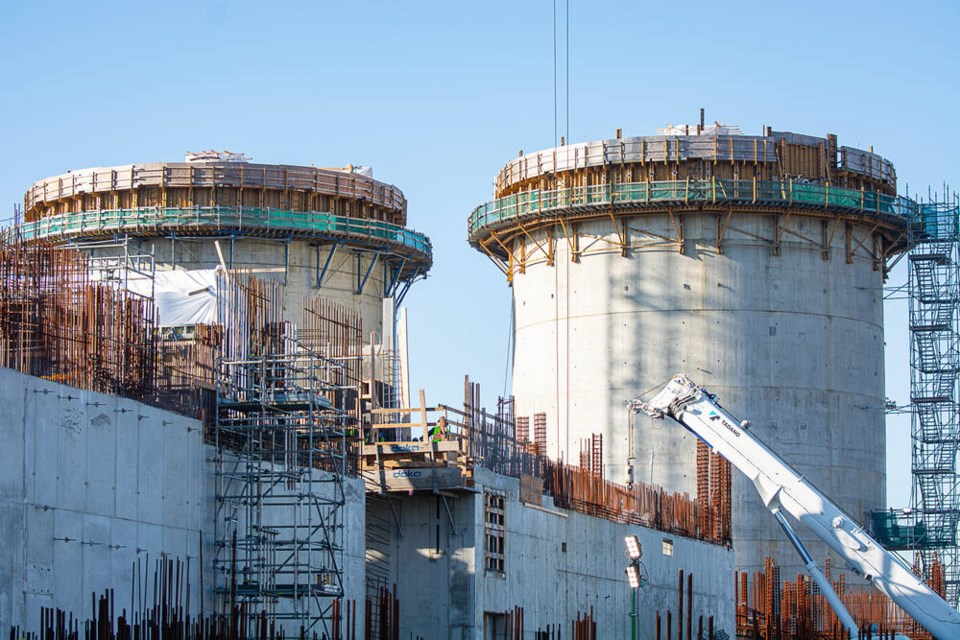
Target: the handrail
pixel 539 202
pixel 250 219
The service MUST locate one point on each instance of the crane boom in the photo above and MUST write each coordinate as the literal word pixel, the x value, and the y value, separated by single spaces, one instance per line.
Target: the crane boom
pixel 782 488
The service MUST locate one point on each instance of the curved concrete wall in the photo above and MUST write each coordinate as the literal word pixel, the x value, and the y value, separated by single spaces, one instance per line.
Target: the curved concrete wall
pixel 792 342
pixel 295 263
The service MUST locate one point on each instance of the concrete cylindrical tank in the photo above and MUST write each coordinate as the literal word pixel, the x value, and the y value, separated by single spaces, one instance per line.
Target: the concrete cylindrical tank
pixel 334 233
pixel 753 263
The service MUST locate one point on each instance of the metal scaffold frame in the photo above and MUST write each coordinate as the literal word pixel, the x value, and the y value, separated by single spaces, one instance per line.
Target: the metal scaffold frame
pixel 934 288
pixel 116 262
pixel 280 429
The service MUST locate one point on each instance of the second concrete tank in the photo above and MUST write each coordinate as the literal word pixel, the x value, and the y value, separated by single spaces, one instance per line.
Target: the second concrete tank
pixel 753 263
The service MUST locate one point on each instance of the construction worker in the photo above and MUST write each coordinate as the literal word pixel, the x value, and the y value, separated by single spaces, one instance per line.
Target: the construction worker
pixel 438 432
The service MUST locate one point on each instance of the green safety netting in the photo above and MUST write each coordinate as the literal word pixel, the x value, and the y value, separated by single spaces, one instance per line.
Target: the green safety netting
pixel 692 191
pixel 241 219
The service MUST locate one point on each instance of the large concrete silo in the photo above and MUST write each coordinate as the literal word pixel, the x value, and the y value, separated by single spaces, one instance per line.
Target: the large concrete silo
pixel 753 263
pixel 261 487
pixel 334 233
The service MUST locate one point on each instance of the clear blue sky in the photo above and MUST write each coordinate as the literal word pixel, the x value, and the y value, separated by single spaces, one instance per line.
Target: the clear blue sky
pixel 438 96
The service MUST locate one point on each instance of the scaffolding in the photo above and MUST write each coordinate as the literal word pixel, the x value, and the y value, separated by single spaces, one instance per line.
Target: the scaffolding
pixel 934 286
pixel 280 429
pixel 116 262
pixel 929 527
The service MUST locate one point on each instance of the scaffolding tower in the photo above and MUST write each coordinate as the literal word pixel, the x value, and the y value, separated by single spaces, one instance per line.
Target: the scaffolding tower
pixel 280 432
pixel 934 293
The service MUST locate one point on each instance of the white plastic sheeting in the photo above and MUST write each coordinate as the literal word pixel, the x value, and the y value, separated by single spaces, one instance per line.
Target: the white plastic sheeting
pixel 182 297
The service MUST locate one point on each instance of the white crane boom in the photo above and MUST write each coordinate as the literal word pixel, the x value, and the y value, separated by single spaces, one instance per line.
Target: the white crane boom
pixel 782 488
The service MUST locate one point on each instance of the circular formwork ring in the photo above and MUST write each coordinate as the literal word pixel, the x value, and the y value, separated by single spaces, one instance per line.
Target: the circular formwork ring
pixel 211 184
pixel 413 248
pixel 529 210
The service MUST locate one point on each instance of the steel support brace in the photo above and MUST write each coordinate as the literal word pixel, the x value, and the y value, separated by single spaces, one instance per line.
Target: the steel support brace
pixel 453 525
pixel 391 276
pixel 396 516
pixel 404 287
pixel 723 223
pixel 498 262
pixel 322 273
pixel 861 243
pixel 362 282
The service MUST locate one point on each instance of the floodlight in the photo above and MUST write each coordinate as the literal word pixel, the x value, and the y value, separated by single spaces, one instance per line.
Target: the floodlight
pixel 634 550
pixel 633 576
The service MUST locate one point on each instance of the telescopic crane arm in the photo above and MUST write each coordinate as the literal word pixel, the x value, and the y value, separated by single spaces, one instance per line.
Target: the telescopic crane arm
pixel 783 489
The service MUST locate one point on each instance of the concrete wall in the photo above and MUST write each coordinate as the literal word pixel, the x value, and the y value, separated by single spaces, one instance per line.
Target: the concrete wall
pixel 558 563
pixel 792 342
pixel 90 484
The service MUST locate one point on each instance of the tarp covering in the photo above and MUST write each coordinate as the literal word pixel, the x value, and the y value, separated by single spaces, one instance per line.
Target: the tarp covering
pixel 182 297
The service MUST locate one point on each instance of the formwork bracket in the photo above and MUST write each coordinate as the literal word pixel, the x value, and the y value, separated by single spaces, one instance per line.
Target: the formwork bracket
pixel 498 262
pixel 362 282
pixel 322 272
pixel 446 506
pixel 723 223
pixel 851 252
pixel 679 228
pixel 404 286
pixel 391 276
pixel 396 516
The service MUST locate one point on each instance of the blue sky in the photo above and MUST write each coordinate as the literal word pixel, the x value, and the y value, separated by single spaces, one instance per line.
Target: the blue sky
pixel 437 96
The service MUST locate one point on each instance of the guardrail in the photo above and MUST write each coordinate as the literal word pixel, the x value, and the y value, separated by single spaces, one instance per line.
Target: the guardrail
pixel 767 193
pixel 253 221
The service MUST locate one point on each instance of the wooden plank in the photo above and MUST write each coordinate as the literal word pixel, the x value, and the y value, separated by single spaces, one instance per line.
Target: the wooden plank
pixel 423 405
pixel 414 447
pixel 418 479
pixel 401 463
pixel 399 425
pixel 403 410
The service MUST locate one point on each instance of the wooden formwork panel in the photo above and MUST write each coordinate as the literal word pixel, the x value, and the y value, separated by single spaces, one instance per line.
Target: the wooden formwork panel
pixel 216 179
pixel 414 479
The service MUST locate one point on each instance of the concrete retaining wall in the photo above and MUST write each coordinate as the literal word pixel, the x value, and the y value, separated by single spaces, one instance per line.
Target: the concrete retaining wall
pixel 558 563
pixel 90 484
